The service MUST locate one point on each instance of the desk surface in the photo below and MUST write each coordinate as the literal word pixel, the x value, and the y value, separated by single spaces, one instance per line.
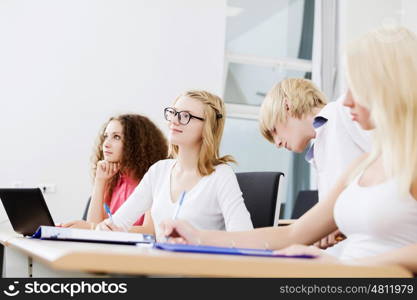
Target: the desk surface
pixel 143 260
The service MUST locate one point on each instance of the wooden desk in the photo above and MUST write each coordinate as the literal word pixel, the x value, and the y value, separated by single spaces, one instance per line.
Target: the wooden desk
pixel 6 233
pixel 70 257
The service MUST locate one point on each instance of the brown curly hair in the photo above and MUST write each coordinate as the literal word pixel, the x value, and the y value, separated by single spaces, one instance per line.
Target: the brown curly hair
pixel 143 145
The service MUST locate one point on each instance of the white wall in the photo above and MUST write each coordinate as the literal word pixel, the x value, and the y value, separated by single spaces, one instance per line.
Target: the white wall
pixel 66 66
pixel 357 17
pixel 409 13
pixel 360 16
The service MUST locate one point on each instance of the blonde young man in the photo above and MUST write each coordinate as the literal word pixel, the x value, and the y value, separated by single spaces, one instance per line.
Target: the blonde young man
pixel 295 114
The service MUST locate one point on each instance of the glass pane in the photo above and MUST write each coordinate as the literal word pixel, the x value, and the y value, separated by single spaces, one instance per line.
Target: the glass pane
pixel 248 84
pixel 266 42
pixel 243 140
pixel 253 153
pixel 268 28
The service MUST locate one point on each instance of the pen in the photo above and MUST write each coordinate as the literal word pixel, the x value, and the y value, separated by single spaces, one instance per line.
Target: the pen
pixel 164 239
pixel 179 205
pixel 107 209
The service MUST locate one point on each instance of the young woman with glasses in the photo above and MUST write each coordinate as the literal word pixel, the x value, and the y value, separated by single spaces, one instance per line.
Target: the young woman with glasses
pixel 196 184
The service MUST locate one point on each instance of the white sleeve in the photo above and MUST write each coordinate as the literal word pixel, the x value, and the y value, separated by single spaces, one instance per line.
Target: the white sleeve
pixel 229 196
pixel 137 204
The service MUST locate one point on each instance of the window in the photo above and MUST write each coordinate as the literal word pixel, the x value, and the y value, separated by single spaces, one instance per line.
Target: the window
pixel 266 42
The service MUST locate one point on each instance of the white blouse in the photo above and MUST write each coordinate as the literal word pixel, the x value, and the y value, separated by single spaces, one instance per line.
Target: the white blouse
pixel 338 142
pixel 375 219
pixel 214 203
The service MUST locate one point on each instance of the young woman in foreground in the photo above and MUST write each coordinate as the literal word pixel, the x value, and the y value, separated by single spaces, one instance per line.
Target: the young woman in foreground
pixel 374 203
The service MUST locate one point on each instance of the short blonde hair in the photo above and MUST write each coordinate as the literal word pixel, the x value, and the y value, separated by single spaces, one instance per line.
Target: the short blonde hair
pixel 214 120
pixel 303 95
pixel 382 73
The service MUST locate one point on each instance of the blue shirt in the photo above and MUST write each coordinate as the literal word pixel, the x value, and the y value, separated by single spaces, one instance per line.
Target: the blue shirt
pixel 317 123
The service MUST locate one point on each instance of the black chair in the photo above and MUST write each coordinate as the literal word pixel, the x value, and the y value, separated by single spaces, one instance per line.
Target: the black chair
pixel 260 190
pixel 86 209
pixel 305 200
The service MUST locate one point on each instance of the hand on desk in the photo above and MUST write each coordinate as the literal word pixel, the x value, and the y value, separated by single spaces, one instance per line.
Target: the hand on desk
pixel 81 224
pixel 108 225
pixel 308 250
pixel 330 240
pixel 180 232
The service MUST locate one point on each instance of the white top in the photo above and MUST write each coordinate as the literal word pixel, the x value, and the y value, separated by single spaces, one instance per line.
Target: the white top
pixel 338 142
pixel 375 219
pixel 214 203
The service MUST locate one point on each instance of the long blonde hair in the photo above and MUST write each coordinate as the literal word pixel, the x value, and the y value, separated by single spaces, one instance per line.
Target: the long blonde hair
pixel 382 74
pixel 214 115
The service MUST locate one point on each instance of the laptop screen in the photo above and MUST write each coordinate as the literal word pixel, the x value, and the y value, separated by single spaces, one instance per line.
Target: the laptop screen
pixel 26 209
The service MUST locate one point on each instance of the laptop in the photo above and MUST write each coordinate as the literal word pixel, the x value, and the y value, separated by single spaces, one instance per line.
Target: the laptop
pixel 26 209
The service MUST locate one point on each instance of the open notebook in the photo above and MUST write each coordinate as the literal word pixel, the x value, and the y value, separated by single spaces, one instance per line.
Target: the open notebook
pixel 85 235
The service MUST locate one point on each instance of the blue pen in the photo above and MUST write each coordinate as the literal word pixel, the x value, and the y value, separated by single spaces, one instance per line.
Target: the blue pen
pixel 179 205
pixel 174 217
pixel 107 209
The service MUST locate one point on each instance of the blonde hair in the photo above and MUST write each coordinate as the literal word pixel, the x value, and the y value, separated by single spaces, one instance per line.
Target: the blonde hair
pixel 382 73
pixel 303 95
pixel 214 119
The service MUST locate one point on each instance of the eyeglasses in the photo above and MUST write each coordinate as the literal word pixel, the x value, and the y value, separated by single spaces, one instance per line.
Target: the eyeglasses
pixel 184 117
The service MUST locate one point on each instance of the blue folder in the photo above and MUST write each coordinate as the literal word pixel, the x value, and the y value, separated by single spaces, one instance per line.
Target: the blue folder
pixel 223 250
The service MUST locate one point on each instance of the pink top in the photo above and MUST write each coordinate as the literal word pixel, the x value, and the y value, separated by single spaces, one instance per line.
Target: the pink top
pixel 125 186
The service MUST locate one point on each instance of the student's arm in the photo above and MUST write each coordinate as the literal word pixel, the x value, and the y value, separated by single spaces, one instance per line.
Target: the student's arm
pixel 229 196
pixel 136 205
pixel 313 225
pixel 405 257
pixel 105 171
pixel 95 211
pixel 147 227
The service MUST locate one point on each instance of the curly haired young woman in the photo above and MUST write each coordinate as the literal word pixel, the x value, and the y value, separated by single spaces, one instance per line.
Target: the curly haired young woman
pixel 126 147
